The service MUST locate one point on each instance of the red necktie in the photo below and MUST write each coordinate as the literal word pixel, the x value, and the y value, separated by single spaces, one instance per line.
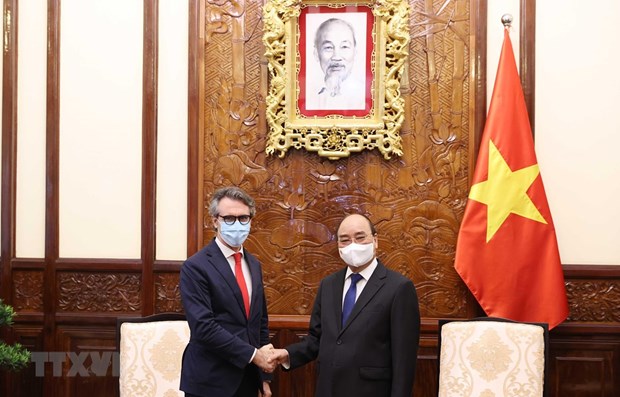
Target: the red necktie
pixel 241 281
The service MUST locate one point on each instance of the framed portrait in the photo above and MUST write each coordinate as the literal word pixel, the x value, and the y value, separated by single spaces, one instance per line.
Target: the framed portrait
pixel 334 76
pixel 335 52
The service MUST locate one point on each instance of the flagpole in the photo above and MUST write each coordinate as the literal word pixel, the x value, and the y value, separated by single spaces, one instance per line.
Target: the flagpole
pixel 507 20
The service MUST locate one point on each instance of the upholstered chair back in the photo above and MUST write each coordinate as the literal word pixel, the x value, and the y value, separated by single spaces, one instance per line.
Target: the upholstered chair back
pixel 150 358
pixel 492 359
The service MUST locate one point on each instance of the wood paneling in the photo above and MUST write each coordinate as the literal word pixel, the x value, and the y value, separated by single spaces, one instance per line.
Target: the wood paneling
pixel 195 126
pixel 527 61
pixel 52 177
pixel 79 378
pixel 149 149
pixel 585 365
pixel 9 143
pixel 28 382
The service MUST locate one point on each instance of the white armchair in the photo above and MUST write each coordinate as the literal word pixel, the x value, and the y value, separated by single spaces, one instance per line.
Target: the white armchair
pixel 151 350
pixel 491 357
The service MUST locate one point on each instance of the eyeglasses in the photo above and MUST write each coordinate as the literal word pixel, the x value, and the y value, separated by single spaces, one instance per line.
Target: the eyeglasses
pixel 358 239
pixel 230 219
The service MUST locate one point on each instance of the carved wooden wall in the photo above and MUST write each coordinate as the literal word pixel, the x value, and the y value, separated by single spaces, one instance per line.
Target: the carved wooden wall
pixel 416 201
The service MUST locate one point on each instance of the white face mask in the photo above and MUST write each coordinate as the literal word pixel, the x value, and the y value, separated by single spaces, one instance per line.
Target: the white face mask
pixel 356 255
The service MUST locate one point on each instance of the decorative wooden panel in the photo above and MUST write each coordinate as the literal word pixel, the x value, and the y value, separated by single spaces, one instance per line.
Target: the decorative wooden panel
pixel 594 300
pixel 167 293
pixel 98 292
pixel 28 291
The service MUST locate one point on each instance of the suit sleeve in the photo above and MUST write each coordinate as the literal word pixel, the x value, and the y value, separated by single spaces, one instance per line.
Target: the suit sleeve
pixel 206 331
pixel 264 336
pixel 405 326
pixel 264 325
pixel 308 349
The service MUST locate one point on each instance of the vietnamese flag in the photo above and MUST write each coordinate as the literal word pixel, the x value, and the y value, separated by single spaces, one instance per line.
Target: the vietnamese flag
pixel 507 252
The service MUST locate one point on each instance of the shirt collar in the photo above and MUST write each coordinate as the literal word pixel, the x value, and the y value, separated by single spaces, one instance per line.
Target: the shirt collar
pixel 366 273
pixel 225 250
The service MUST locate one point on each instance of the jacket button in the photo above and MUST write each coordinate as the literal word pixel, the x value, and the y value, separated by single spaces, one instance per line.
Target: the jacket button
pixel 339 342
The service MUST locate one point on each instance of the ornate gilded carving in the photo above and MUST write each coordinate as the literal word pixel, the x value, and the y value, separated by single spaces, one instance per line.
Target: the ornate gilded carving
pixel 28 291
pixel 335 136
pixel 167 293
pixel 593 300
pixel 98 292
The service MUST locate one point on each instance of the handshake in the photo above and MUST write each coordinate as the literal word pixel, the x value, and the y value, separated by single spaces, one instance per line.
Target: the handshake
pixel 268 358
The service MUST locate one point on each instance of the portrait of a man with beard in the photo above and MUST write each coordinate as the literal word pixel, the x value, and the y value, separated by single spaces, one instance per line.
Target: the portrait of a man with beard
pixel 335 50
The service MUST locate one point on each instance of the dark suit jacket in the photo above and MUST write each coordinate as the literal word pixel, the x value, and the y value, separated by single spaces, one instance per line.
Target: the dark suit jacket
pixel 375 353
pixel 222 339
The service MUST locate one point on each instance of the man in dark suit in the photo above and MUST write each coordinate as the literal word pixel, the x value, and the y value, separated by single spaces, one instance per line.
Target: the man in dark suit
pixel 224 302
pixel 365 337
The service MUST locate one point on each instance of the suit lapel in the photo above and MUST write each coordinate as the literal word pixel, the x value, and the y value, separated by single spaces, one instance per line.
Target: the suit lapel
pixel 255 279
pixel 336 298
pixel 376 282
pixel 221 265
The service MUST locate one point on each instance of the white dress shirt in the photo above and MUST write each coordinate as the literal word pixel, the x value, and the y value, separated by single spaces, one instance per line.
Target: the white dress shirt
pixel 366 273
pixel 228 253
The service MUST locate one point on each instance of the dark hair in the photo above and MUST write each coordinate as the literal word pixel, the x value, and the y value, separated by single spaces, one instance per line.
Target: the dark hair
pixel 323 26
pixel 233 193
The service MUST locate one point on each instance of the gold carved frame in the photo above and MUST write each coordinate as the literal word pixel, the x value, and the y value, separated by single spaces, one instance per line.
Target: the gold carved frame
pixel 335 136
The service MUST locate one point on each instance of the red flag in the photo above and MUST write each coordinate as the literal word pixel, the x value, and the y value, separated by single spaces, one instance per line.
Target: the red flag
pixel 507 252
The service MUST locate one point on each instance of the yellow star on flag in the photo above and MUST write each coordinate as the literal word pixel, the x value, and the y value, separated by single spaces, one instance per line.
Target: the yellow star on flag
pixel 505 192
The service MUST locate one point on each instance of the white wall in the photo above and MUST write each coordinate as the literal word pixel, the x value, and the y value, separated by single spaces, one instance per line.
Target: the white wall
pixel 100 154
pixel 100 129
pixel 577 126
pixel 31 113
pixel 171 241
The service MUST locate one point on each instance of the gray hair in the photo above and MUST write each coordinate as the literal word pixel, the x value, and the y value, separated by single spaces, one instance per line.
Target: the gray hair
pixel 233 193
pixel 332 21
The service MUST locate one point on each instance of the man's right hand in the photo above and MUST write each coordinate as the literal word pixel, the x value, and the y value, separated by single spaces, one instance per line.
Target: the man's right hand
pixel 263 360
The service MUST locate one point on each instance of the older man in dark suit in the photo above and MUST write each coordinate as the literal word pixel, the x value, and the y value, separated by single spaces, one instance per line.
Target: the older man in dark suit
pixel 365 324
pixel 223 297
